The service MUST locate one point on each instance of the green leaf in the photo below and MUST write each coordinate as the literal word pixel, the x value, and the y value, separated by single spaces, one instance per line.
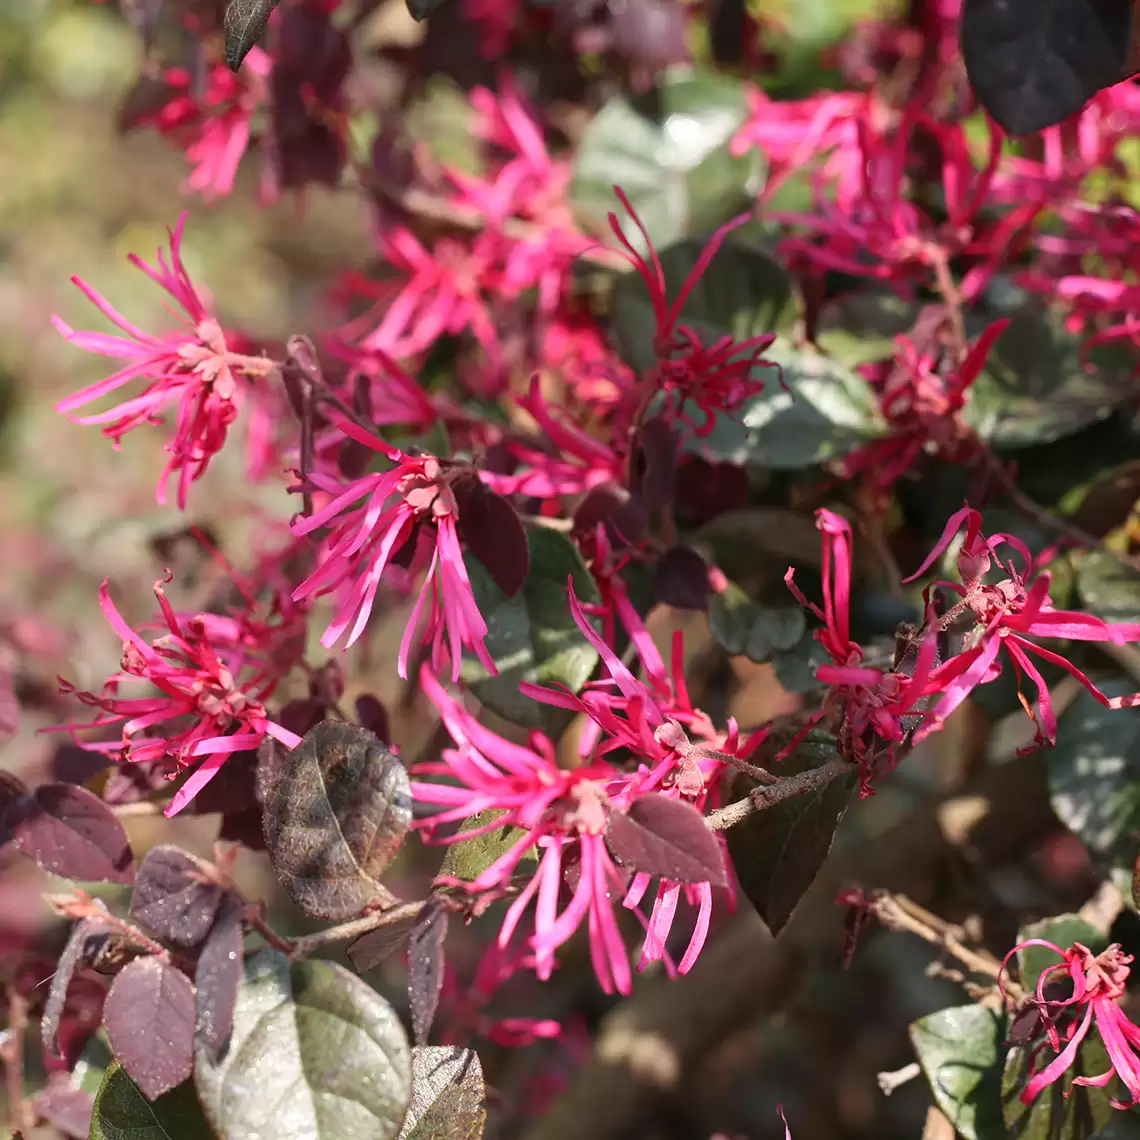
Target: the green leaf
pixel 778 852
pixel 1123 1126
pixel 533 636
pixel 316 1054
pixel 743 293
pixel 122 1112
pixel 1063 931
pixel 857 328
pixel 746 629
pixel 1094 774
pixel 1037 387
pixel 961 1053
pixel 1063 1110
pixel 822 411
pixel 448 1095
pixel 668 150
pixel 1108 588
pixel 469 858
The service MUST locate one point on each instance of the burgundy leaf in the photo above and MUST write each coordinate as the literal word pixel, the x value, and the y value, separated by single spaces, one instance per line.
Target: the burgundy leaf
pixel 65 1107
pixel 12 788
pixel 425 967
pixel 71 832
pixel 494 533
pixel 681 579
pixel 86 941
pixel 651 32
pixel 82 1016
pixel 218 977
pixel 666 837
pixel 372 715
pixel 233 789
pixel 706 490
pixel 171 899
pixel 623 515
pixel 659 447
pixel 149 1016
pixel 243 827
pixel 378 945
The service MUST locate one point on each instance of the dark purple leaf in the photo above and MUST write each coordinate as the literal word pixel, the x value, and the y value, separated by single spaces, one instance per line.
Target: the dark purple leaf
pixel 12 788
pixel 706 490
pixel 650 32
pixel 372 715
pixel 659 446
pixel 623 515
pixel 233 789
pixel 681 579
pixel 336 812
pixel 171 899
pixel 71 832
pixel 425 967
pixel 140 105
pixel 572 874
pixel 244 23
pixel 370 949
pixel 666 837
pixel 65 1107
pixel 494 533
pixel 82 1015
pixel 778 852
pixel 86 941
pixel 149 1016
pixel 71 764
pixel 243 827
pixel 218 978
pixel 1033 64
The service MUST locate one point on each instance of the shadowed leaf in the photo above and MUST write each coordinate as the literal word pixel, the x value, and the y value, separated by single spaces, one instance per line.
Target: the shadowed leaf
pixel 171 900
pixel 426 967
pixel 244 24
pixel 681 579
pixel 666 837
pixel 494 533
pixel 447 1095
pixel 336 811
pixel 327 1055
pixel 778 852
pixel 84 944
pixel 217 978
pixel 122 1112
pixel 149 1015
pixel 467 859
pixel 72 833
pixel 378 945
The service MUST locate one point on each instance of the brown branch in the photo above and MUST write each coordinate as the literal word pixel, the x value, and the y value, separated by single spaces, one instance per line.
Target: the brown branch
pixel 400 912
pixel 768 795
pixel 12 1055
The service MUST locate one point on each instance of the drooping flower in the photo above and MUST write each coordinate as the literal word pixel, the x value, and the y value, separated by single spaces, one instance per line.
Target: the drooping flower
pixel 874 708
pixel 1010 613
pixel 1098 982
pixel 364 539
pixel 192 369
pixel 213 685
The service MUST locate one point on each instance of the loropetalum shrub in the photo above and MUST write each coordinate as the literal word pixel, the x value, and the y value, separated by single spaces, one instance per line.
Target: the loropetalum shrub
pixel 578 372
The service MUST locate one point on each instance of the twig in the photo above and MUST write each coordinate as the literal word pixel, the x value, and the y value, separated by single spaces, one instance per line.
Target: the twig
pixel 140 809
pixel 897 912
pixel 888 1082
pixel 401 912
pixel 813 780
pixel 12 1054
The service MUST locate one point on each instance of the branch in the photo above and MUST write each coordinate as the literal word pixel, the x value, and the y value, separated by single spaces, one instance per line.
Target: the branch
pixel 768 795
pixel 393 915
pixel 12 1055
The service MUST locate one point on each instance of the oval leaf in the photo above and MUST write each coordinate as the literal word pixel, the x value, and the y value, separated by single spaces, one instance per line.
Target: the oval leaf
pixel 667 837
pixel 149 1015
pixel 494 533
pixel 85 943
pixel 244 24
pixel 426 967
pixel 778 852
pixel 467 859
pixel 327 1055
pixel 170 898
pixel 72 833
pixel 217 978
pixel 122 1112
pixel 1094 774
pixel 961 1052
pixel 533 636
pixel 668 150
pixel 448 1095
pixel 1036 62
pixel 335 813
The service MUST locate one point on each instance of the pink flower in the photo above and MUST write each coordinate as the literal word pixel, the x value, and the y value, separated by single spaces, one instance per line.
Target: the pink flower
pixel 562 812
pixel 716 377
pixel 192 368
pixel 213 687
pixel 1008 614
pixel 874 707
pixel 1098 985
pixel 364 540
